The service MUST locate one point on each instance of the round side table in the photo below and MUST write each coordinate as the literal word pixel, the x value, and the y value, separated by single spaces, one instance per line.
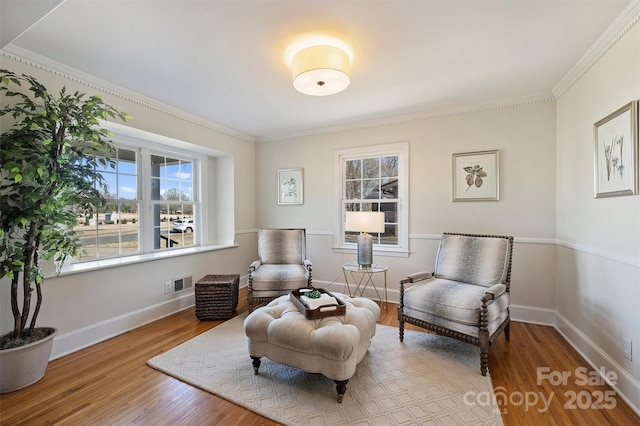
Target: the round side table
pixel 362 277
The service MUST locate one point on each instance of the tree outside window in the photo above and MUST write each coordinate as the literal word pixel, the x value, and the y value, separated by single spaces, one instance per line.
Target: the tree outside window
pixel 115 228
pixel 371 184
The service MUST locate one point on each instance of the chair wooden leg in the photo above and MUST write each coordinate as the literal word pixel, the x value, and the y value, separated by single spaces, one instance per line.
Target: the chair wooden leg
pixel 483 343
pixel 506 331
pixel 484 361
pixel 401 313
pixel 250 292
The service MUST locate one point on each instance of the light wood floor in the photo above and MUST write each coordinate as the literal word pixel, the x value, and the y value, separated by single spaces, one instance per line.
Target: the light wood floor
pixel 110 383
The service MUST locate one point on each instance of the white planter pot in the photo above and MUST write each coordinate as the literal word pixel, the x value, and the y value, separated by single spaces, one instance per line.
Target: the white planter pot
pixel 24 365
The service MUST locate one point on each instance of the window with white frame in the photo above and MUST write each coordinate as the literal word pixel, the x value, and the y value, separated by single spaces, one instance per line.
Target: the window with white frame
pixel 374 178
pixel 113 229
pixel 151 205
pixel 173 200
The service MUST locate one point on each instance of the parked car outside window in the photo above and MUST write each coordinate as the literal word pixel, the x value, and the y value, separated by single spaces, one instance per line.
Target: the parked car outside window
pixel 184 225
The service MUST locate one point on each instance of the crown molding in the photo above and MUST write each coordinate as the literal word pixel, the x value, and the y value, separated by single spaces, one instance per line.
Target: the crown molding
pixel 623 23
pixel 418 116
pixel 34 60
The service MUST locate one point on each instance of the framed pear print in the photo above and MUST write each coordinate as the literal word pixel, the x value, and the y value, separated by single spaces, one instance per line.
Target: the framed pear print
pixel 476 176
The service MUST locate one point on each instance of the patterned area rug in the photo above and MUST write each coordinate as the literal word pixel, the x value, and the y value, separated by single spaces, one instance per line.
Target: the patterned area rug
pixel 427 380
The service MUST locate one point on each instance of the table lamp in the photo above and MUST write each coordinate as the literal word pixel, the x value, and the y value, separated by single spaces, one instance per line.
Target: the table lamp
pixel 364 222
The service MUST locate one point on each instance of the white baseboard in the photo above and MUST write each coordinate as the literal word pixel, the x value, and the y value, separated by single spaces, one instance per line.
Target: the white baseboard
pixel 76 340
pixel 533 315
pixel 626 386
pixel 336 287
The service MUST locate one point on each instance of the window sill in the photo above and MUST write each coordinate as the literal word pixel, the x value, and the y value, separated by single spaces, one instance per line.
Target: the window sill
pixel 95 265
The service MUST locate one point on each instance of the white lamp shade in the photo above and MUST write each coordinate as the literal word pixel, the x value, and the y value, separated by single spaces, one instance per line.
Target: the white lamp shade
pixel 321 70
pixel 364 222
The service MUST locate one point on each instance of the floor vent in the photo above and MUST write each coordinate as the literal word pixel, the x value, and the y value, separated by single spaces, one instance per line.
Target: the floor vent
pixel 184 283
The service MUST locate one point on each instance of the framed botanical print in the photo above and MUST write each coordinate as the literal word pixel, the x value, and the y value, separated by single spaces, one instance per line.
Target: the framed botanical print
pixel 476 176
pixel 616 153
pixel 290 188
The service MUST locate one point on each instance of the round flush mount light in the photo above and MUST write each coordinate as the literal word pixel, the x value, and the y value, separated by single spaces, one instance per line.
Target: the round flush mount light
pixel 321 70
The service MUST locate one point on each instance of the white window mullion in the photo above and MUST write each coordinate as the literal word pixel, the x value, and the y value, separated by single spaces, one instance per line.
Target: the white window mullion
pixel 146 206
pixel 200 171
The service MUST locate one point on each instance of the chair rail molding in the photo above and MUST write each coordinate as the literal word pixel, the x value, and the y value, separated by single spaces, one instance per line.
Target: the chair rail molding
pixel 605 254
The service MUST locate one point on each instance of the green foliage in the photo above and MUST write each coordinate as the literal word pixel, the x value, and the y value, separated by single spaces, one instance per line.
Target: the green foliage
pixel 48 161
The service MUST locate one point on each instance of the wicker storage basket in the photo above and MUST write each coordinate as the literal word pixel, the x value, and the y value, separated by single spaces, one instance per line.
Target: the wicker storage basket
pixel 216 296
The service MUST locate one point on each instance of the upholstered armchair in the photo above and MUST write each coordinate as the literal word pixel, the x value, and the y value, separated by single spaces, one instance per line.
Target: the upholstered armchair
pixel 282 265
pixel 467 296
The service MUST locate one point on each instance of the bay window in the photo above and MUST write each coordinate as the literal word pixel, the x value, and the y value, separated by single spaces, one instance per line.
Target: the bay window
pixel 152 205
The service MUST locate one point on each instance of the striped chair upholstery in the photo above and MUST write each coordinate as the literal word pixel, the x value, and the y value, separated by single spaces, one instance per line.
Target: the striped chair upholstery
pixel 282 265
pixel 467 296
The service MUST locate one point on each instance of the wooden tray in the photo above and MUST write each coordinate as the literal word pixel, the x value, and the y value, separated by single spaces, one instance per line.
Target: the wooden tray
pixel 321 312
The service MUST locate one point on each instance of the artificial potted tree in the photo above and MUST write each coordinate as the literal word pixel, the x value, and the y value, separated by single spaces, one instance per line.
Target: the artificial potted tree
pixel 49 157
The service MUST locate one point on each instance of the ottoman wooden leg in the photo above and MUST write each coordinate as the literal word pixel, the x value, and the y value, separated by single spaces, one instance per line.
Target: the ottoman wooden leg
pixel 341 387
pixel 256 363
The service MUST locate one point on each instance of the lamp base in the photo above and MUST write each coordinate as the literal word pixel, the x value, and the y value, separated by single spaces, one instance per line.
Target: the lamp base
pixel 365 250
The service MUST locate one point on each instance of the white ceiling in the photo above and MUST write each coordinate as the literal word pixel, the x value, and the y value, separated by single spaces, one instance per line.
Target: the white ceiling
pixel 224 61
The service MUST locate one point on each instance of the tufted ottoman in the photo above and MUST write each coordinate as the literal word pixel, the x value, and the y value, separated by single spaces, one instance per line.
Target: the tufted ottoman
pixel 332 346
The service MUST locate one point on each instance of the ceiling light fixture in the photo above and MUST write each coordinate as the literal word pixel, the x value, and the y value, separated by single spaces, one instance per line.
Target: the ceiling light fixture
pixel 321 70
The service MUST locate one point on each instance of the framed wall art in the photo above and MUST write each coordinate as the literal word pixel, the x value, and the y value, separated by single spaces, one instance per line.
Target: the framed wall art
pixel 616 153
pixel 476 176
pixel 290 186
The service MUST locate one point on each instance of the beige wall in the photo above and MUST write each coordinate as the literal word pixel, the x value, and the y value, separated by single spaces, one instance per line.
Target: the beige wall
pixel 599 239
pixel 525 136
pixel 576 259
pixel 91 306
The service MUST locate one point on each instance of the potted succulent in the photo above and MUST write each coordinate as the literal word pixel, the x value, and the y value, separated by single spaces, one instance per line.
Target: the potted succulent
pixel 50 148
